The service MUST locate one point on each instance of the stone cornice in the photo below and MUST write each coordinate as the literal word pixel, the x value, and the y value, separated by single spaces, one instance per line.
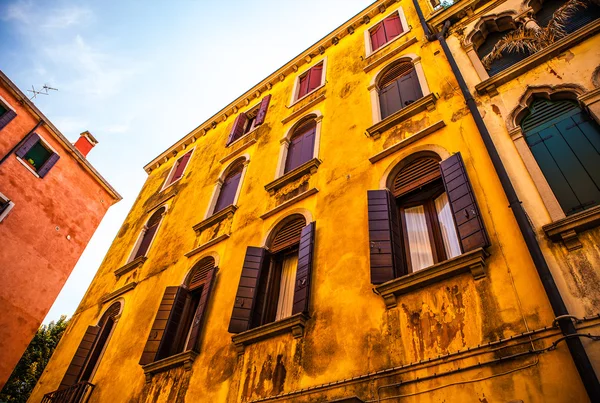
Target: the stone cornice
pixel 184 359
pixel 373 61
pixel 426 102
pixel 206 245
pixel 288 203
pixel 566 229
pixel 407 141
pixel 213 219
pixel 305 108
pixel 137 262
pixel 118 292
pixel 309 167
pixel 294 324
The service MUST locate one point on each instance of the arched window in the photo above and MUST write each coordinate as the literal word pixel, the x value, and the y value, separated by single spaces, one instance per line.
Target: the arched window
pixel 149 232
pixel 302 144
pixel 398 87
pixel 565 142
pixel 507 59
pixel 92 347
pixel 580 15
pixel 230 186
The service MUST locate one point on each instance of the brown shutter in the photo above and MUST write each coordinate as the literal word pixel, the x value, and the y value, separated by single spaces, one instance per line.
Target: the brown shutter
pixel 386 257
pixel 245 299
pixel 418 173
pixel 200 273
pixel 81 356
pixel 165 325
pixel 467 216
pixel 7 117
pixel 304 271
pixel 287 235
pixel 199 315
pixel 262 110
pixel 28 142
pixel 238 128
pixel 46 166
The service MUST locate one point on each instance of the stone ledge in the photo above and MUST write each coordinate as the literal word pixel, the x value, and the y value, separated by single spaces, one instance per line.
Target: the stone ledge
pixel 309 167
pixel 407 141
pixel 239 146
pixel 162 201
pixel 305 108
pixel 215 218
pixel 566 229
pixel 288 203
pixel 118 292
pixel 295 324
pixel 135 263
pixel 490 85
pixel 473 262
pixel 207 245
pixel 373 61
pixel 427 102
pixel 184 359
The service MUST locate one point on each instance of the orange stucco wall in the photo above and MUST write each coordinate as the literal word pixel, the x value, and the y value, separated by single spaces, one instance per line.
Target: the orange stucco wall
pixel 44 234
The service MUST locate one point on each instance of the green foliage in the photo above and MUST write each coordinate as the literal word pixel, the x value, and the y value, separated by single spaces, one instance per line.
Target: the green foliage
pixel 32 363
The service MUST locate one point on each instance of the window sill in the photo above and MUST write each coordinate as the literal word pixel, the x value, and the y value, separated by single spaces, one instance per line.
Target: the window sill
pixel 288 203
pixel 184 359
pixel 306 95
pixel 6 209
pixel 407 141
pixel 566 229
pixel 215 218
pixel 295 324
pixel 29 168
pixel 304 108
pixel 309 167
pixel 241 144
pixel 135 263
pixel 427 102
pixel 490 85
pixel 119 292
pixel 473 262
pixel 206 245
pixel 373 61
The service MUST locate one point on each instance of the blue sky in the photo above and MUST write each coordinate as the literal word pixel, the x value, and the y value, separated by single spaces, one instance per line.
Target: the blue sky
pixel 139 75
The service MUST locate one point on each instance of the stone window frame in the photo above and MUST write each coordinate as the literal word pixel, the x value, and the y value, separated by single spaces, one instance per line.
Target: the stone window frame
pixel 10 206
pixel 294 99
pixel 116 318
pixel 210 211
pixel 368 46
pixel 166 184
pixel 136 262
pixel 415 60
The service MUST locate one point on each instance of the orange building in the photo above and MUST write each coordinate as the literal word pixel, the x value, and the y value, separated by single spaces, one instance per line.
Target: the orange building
pixel 51 202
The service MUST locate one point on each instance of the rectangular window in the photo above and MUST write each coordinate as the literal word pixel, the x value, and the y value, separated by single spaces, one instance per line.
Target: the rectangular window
pixel 310 80
pixel 178 169
pixel 37 154
pixel 245 122
pixel 7 113
pixel 5 206
pixel 385 31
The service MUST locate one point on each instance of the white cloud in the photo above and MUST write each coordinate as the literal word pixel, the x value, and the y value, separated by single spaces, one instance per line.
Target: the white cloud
pixel 26 13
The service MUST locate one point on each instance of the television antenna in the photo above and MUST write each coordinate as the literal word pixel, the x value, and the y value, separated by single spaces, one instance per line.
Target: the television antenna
pixel 43 91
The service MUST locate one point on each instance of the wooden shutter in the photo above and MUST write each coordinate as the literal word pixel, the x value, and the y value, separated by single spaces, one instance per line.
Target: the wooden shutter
pixel 181 164
pixel 302 145
pixel 409 88
pixel 467 217
pixel 200 274
pixel 81 356
pixel 377 37
pixel 393 26
pixel 385 241
pixel 165 325
pixel 389 100
pixel 304 271
pixel 416 174
pixel 391 97
pixel 262 110
pixel 237 129
pixel 287 235
pixel 199 315
pixel 7 117
pixel 315 77
pixel 46 166
pixel 29 142
pixel 243 315
pixel 303 84
pixel 146 240
pixel 229 188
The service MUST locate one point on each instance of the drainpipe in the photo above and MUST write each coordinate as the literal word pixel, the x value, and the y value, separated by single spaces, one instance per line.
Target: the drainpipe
pixel 12 150
pixel 580 358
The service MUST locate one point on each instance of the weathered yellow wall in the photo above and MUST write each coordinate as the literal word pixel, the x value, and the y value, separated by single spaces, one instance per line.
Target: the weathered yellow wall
pixel 350 332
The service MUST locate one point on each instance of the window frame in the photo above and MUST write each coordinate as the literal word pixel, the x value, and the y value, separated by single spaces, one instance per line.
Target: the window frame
pixel 210 211
pixel 285 141
pixel 294 99
pixel 9 206
pixel 252 110
pixel 166 184
pixel 9 108
pixel 369 46
pixel 44 144
pixel 140 236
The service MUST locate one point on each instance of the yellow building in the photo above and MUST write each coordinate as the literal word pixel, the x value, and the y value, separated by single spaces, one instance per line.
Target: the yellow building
pixel 343 231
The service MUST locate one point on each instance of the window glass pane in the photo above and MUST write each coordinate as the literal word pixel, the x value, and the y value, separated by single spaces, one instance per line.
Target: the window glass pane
pixel 418 238
pixel 286 289
pixel 447 227
pixel 37 155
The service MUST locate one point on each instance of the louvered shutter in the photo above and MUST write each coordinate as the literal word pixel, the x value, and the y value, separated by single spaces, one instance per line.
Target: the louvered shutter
pixel 181 164
pixel 46 166
pixel 308 146
pixel 409 88
pixel 237 130
pixel 315 77
pixel 389 100
pixel 392 26
pixel 6 117
pixel 200 273
pixel 288 235
pixel 146 240
pixel 243 316
pixel 467 216
pixel 385 242
pixel 165 325
pixel 80 358
pixel 29 142
pixel 294 154
pixel 229 188
pixel 304 270
pixel 262 110
pixel 200 313
pixel 377 37
pixel 416 174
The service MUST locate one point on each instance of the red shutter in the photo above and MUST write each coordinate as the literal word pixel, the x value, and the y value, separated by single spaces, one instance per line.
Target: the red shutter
pixel 165 325
pixel 377 37
pixel 303 85
pixel 146 240
pixel 181 164
pixel 262 110
pixel 393 26
pixel 46 166
pixel 315 76
pixel 229 188
pixel 237 130
pixel 29 142
pixel 304 271
pixel 467 216
pixel 200 313
pixel 81 356
pixel 385 241
pixel 7 117
pixel 243 316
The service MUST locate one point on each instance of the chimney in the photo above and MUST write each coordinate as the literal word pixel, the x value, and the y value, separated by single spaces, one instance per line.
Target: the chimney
pixel 85 143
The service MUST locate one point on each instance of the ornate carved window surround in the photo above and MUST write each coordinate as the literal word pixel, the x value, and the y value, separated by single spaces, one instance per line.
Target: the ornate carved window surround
pixel 473 262
pixel 566 229
pixel 185 359
pixel 309 167
pixel 294 324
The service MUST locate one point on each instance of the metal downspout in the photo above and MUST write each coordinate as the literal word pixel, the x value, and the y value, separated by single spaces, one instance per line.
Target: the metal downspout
pixel 578 353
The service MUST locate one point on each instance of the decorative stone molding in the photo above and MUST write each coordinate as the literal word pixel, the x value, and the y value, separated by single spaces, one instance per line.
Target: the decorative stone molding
pixel 304 108
pixel 241 144
pixel 591 101
pixel 135 263
pixel 120 291
pixel 407 141
pixel 294 324
pixel 289 202
pixel 185 359
pixel 309 168
pixel 373 61
pixel 473 262
pixel 207 245
pixel 490 85
pixel 425 103
pixel 596 77
pixel 227 212
pixel 162 201
pixel 566 229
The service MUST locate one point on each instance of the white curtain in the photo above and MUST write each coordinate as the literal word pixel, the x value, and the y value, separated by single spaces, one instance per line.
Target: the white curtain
pixel 286 289
pixel 419 245
pixel 449 235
